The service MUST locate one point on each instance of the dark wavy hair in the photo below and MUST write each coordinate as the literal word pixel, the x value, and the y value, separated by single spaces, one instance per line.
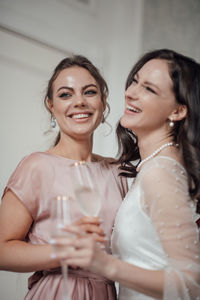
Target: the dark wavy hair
pixel 83 62
pixel 185 75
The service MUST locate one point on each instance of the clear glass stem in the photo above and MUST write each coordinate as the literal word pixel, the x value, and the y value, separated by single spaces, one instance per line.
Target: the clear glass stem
pixel 64 274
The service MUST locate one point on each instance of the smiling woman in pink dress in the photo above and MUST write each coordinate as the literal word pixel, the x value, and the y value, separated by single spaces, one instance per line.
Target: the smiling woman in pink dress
pixel 76 99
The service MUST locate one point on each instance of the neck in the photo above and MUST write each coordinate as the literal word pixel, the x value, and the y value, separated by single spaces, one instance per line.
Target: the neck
pixel 74 149
pixel 156 152
pixel 150 142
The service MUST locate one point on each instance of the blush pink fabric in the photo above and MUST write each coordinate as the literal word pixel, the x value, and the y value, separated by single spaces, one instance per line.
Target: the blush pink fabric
pixel 38 179
pixel 81 285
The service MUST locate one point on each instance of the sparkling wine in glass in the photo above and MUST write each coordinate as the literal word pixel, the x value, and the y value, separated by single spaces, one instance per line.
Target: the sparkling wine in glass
pixel 60 217
pixel 86 190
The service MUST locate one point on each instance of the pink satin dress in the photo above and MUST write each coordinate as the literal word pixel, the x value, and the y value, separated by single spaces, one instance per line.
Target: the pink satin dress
pixel 38 179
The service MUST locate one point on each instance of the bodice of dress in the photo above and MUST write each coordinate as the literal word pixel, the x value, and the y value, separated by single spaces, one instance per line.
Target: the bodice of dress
pixel 155 229
pixel 132 232
pixel 41 176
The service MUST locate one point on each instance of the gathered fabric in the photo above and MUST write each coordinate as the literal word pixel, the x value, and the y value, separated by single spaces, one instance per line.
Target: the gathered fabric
pixel 80 284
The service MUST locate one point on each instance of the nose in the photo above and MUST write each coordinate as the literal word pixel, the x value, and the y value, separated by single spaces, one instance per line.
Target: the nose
pixel 132 92
pixel 79 100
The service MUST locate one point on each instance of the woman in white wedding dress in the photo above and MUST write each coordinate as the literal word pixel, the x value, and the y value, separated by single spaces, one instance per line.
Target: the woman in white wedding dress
pixel 155 241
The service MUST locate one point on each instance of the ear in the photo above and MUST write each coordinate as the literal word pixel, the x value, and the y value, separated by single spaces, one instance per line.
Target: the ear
pixel 179 113
pixel 49 105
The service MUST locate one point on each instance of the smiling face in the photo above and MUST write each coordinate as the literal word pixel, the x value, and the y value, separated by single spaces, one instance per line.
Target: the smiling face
pixel 76 102
pixel 150 101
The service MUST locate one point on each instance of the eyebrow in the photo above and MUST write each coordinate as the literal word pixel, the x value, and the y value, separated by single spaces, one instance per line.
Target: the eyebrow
pixel 83 88
pixel 147 82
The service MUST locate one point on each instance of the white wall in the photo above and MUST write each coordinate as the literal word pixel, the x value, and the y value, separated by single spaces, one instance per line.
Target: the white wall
pixel 24 69
pixel 173 24
pixel 34 36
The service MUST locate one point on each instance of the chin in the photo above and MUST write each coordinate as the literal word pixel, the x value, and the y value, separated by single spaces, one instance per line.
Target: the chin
pixel 124 122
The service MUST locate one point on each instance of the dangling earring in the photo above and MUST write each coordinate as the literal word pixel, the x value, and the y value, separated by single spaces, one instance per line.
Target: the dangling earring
pixel 103 119
pixel 53 121
pixel 171 123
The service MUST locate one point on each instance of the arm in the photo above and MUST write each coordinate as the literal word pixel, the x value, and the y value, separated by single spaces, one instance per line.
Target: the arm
pixel 17 211
pixel 88 255
pixel 15 253
pixel 168 204
pixel 18 255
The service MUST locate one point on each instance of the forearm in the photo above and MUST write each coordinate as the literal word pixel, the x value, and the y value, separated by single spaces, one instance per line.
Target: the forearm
pixel 87 254
pixel 19 256
pixel 145 281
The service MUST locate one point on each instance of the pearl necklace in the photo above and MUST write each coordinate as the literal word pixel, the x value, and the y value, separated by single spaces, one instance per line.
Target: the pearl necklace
pixel 155 153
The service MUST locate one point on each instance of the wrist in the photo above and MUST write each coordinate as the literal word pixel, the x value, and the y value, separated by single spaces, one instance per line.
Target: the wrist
pixel 110 267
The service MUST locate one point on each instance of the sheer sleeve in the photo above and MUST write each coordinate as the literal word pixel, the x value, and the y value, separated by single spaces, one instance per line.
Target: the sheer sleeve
pixel 166 201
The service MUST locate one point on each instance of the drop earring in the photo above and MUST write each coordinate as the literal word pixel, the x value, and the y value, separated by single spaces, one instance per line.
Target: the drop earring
pixel 53 121
pixel 171 123
pixel 103 119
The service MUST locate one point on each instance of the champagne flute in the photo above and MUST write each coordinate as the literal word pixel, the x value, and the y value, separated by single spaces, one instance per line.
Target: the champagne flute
pixel 86 190
pixel 60 217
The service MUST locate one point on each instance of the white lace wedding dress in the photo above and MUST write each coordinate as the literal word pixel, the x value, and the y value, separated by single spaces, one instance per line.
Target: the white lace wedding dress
pixel 155 229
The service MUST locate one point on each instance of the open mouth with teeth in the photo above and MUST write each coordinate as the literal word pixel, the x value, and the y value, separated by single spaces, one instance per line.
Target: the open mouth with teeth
pixel 134 109
pixel 80 116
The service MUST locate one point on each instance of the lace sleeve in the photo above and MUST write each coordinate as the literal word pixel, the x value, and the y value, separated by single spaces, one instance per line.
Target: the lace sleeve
pixel 167 202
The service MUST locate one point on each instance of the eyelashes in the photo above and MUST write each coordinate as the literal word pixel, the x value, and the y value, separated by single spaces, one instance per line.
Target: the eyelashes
pixel 148 88
pixel 90 92
pixel 66 95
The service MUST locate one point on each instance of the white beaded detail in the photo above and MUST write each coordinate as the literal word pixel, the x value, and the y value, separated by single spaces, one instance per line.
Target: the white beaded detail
pixel 155 153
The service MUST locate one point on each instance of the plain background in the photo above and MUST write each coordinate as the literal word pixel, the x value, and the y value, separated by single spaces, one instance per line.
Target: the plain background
pixel 36 35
